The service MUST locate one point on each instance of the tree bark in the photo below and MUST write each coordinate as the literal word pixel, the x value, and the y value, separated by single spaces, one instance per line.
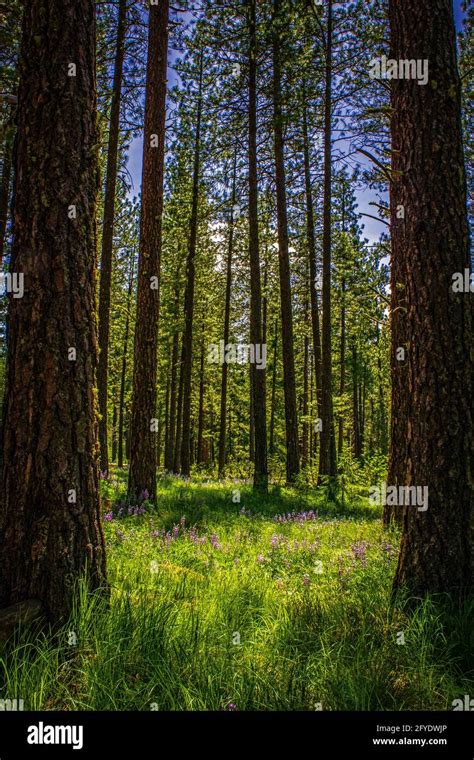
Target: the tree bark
pixel 311 243
pixel 356 439
pixel 273 395
pixel 200 435
pixel 257 376
pixel 143 433
pixel 123 371
pixel 170 443
pixel 187 364
pixel 436 395
pixel 289 381
pixel 108 236
pixel 50 531
pixel 327 451
pixel 228 287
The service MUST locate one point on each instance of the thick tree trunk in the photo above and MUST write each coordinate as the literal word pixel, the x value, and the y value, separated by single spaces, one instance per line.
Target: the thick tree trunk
pixel 108 236
pixel 123 370
pixel 142 473
pixel 228 287
pixel 187 365
pixel 327 452
pixel 50 531
pixel 436 393
pixel 289 381
pixel 257 375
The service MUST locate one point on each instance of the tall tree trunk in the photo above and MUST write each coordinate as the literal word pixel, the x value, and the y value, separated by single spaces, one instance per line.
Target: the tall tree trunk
pixel 357 450
pixel 179 418
pixel 311 243
pixel 170 446
pixel 257 375
pixel 167 411
pixel 273 396
pixel 289 381
pixel 142 473
pixel 123 371
pixel 342 359
pixel 114 433
pixel 429 182
pixel 50 531
pixel 160 434
pixel 228 288
pixel 305 427
pixel 189 293
pixel 327 451
pixel 108 236
pixel 200 435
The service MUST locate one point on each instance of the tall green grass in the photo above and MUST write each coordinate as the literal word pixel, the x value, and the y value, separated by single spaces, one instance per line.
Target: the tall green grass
pixel 235 610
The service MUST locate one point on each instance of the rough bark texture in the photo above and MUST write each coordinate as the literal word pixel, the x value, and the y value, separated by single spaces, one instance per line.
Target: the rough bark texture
pixel 107 237
pixel 187 364
pixel 436 394
pixel 327 452
pixel 258 376
pixel 143 440
pixel 289 381
pixel 49 517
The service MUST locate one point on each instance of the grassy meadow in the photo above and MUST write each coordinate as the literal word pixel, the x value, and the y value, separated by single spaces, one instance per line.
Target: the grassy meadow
pixel 224 600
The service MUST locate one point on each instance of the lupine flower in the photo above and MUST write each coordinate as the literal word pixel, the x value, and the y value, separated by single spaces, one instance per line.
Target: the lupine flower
pixel 388 549
pixel 215 541
pixel 260 558
pixel 359 550
pixel 145 494
pixel 109 516
pixel 297 517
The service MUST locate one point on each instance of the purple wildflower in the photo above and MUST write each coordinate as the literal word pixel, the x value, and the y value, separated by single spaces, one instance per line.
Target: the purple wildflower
pixel 359 550
pixel 109 516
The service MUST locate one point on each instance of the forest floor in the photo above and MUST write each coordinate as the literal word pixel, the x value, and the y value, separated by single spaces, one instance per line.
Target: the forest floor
pixel 276 603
